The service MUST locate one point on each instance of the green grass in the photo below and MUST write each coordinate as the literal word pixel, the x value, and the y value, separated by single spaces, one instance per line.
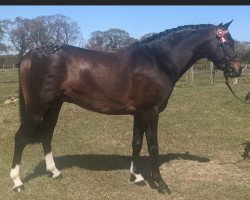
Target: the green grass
pixel 8 75
pixel 8 89
pixel 201 123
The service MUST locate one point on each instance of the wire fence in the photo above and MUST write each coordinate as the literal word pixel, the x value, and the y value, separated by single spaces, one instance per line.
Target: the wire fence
pixel 203 74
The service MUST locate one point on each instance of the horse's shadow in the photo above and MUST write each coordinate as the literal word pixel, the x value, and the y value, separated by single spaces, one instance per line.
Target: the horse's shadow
pixel 108 162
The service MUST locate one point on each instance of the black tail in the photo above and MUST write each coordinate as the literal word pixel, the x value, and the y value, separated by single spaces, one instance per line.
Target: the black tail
pixel 21 104
pixel 31 129
pixel 32 132
pixel 21 97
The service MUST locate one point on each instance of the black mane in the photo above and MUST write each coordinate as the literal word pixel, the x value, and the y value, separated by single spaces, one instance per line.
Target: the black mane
pixel 174 30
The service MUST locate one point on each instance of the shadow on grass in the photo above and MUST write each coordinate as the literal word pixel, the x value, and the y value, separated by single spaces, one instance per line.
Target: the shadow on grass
pixel 108 162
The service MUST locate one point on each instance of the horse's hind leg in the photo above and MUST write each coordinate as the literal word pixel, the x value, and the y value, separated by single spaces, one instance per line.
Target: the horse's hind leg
pixel 26 129
pixel 48 125
pixel 138 132
pixel 20 144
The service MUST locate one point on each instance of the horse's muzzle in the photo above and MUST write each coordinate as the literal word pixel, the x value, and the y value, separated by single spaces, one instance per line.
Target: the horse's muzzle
pixel 233 69
pixel 232 73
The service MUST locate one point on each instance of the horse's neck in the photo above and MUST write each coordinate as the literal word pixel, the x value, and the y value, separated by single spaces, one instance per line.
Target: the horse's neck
pixel 186 52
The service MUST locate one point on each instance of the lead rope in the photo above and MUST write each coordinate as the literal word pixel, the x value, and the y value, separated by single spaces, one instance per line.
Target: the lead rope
pixel 247 148
pixel 228 85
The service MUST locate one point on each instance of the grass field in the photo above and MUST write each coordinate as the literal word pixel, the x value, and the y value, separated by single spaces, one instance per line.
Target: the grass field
pixel 200 138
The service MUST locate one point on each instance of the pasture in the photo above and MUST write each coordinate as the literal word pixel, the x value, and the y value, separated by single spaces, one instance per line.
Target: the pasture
pixel 200 139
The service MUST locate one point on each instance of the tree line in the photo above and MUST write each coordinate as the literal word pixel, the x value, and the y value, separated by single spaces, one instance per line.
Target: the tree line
pixel 21 34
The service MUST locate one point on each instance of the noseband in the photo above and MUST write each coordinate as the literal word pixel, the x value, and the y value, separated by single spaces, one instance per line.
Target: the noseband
pixel 226 64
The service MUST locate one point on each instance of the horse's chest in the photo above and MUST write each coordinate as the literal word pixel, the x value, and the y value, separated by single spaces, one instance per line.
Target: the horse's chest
pixel 148 93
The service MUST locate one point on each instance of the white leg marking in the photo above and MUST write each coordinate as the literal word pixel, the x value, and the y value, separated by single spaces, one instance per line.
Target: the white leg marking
pixel 138 177
pixel 50 165
pixel 14 174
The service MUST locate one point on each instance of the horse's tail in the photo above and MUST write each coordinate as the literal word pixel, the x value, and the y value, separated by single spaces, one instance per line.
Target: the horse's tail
pixel 21 97
pixel 32 127
pixel 21 102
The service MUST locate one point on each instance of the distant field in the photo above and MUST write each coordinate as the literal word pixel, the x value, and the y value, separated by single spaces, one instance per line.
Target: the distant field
pixel 200 137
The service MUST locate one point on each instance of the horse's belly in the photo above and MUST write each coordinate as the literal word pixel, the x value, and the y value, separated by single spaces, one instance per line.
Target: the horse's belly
pixel 97 102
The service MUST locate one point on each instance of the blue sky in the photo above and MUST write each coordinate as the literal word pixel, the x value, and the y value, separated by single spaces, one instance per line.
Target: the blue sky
pixel 139 20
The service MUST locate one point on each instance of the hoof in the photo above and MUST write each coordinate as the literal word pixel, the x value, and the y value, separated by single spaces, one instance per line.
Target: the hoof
pixel 137 179
pixel 132 178
pixel 164 190
pixel 59 177
pixel 140 183
pixel 19 188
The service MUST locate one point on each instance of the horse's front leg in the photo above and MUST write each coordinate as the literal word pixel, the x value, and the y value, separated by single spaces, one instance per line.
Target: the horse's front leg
pixel 150 123
pixel 138 132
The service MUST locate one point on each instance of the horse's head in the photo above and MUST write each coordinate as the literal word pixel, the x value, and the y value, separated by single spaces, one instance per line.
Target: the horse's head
pixel 222 52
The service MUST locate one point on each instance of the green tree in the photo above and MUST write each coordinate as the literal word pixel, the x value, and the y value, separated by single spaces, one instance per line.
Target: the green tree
pixel 241 49
pixel 18 32
pixel 25 33
pixel 58 29
pixel 3 47
pixel 144 37
pixel 246 58
pixel 110 40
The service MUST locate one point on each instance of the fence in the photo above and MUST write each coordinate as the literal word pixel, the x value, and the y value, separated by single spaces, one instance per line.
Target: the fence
pixel 204 74
pixel 8 61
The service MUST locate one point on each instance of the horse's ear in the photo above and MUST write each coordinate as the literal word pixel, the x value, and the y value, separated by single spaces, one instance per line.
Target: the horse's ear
pixel 225 26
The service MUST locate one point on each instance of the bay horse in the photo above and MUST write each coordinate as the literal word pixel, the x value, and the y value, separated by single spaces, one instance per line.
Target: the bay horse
pixel 137 80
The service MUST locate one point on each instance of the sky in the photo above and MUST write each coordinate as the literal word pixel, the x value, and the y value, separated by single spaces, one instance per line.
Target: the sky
pixel 139 20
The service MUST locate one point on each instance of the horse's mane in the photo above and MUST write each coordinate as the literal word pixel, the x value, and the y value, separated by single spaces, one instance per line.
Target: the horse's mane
pixel 174 30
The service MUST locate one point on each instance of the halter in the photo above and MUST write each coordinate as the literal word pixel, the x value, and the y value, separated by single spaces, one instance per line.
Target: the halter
pixel 222 42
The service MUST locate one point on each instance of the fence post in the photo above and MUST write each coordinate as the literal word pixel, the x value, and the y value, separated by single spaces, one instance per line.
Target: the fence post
pixel 212 72
pixel 235 81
